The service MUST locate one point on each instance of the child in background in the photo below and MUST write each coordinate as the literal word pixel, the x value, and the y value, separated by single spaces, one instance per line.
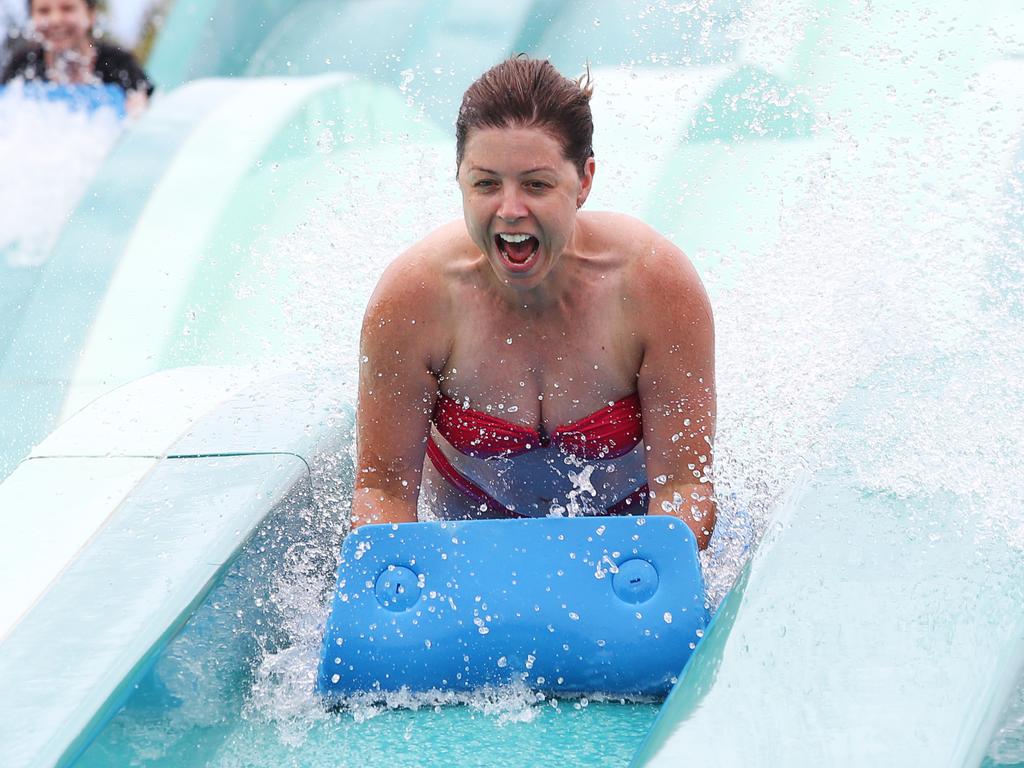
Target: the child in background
pixel 62 49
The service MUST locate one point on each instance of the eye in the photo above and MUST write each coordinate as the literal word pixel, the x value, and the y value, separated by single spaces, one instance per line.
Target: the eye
pixel 485 183
pixel 537 186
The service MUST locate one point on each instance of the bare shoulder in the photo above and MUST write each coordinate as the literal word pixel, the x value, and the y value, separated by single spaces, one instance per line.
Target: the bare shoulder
pixel 653 265
pixel 418 272
pixel 656 273
pixel 420 279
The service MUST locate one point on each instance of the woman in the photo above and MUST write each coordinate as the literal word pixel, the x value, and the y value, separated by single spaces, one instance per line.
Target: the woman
pixel 534 359
pixel 67 53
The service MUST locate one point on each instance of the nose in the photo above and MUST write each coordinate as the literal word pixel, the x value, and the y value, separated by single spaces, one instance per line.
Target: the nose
pixel 512 206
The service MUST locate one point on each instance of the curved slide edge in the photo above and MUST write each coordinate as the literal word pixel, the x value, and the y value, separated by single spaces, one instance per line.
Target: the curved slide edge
pixel 119 527
pixel 57 308
pixel 160 192
pixel 877 654
pixel 192 227
pixel 869 628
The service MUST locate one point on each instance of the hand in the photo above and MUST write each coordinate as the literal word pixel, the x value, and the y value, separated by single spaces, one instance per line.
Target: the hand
pixel 698 512
pixel 135 103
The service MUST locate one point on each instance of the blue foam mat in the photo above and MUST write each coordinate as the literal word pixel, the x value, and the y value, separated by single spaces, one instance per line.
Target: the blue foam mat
pixel 78 98
pixel 568 605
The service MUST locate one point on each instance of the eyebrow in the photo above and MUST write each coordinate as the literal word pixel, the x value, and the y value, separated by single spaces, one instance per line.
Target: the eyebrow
pixel 524 173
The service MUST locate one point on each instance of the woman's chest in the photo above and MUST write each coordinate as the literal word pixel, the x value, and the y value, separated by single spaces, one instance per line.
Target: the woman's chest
pixel 545 369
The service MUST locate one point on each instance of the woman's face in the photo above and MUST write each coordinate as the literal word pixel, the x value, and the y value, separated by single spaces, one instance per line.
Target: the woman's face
pixel 519 197
pixel 62 24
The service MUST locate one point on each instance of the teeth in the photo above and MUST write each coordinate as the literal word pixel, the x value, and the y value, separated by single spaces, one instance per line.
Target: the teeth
pixel 513 238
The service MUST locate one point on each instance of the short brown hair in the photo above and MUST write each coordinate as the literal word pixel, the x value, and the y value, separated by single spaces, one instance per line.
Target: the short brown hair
pixel 530 93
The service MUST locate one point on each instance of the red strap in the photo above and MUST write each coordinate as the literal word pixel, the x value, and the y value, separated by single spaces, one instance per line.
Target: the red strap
pixel 476 433
pixel 608 433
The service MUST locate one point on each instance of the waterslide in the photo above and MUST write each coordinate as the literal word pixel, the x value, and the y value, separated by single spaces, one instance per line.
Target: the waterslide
pixel 159 266
pixel 817 171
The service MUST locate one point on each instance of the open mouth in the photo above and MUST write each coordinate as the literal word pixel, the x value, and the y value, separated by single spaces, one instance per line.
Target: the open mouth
pixel 518 249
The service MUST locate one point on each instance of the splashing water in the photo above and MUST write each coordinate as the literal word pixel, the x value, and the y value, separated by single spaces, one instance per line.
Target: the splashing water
pixel 890 247
pixel 49 154
pixel 857 279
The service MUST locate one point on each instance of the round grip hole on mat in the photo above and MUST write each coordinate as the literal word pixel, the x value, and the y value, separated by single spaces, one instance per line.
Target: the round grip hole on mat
pixel 397 588
pixel 636 581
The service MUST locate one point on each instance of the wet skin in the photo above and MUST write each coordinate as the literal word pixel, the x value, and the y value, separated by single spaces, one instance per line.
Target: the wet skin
pixel 599 307
pixel 516 181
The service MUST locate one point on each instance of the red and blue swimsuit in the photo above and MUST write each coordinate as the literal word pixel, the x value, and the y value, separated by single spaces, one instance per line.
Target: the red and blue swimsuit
pixel 610 433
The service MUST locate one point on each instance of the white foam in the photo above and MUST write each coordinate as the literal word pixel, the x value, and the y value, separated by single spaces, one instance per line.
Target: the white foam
pixel 49 154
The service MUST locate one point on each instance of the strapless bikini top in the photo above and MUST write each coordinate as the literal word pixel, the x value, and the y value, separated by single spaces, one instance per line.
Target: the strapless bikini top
pixel 608 433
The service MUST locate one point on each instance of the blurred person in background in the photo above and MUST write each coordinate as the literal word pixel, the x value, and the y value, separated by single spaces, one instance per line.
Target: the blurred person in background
pixel 61 48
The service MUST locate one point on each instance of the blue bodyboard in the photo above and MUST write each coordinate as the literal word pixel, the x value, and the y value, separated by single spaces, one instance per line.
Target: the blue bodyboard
pixel 77 98
pixel 568 605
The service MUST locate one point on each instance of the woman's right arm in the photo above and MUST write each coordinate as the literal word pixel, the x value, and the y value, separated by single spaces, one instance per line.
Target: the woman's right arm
pixel 399 352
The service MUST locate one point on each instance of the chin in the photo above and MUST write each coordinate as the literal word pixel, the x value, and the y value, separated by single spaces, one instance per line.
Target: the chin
pixel 523 282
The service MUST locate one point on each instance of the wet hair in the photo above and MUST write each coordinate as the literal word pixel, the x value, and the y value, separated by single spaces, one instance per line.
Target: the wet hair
pixel 90 4
pixel 530 93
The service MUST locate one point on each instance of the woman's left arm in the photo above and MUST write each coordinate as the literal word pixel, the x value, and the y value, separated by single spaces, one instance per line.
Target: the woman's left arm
pixel 676 384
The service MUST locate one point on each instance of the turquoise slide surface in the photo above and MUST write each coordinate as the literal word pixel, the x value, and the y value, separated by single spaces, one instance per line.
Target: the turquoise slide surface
pixel 847 179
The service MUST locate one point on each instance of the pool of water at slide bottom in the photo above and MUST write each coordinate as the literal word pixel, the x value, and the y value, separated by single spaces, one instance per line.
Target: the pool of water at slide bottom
pixel 571 733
